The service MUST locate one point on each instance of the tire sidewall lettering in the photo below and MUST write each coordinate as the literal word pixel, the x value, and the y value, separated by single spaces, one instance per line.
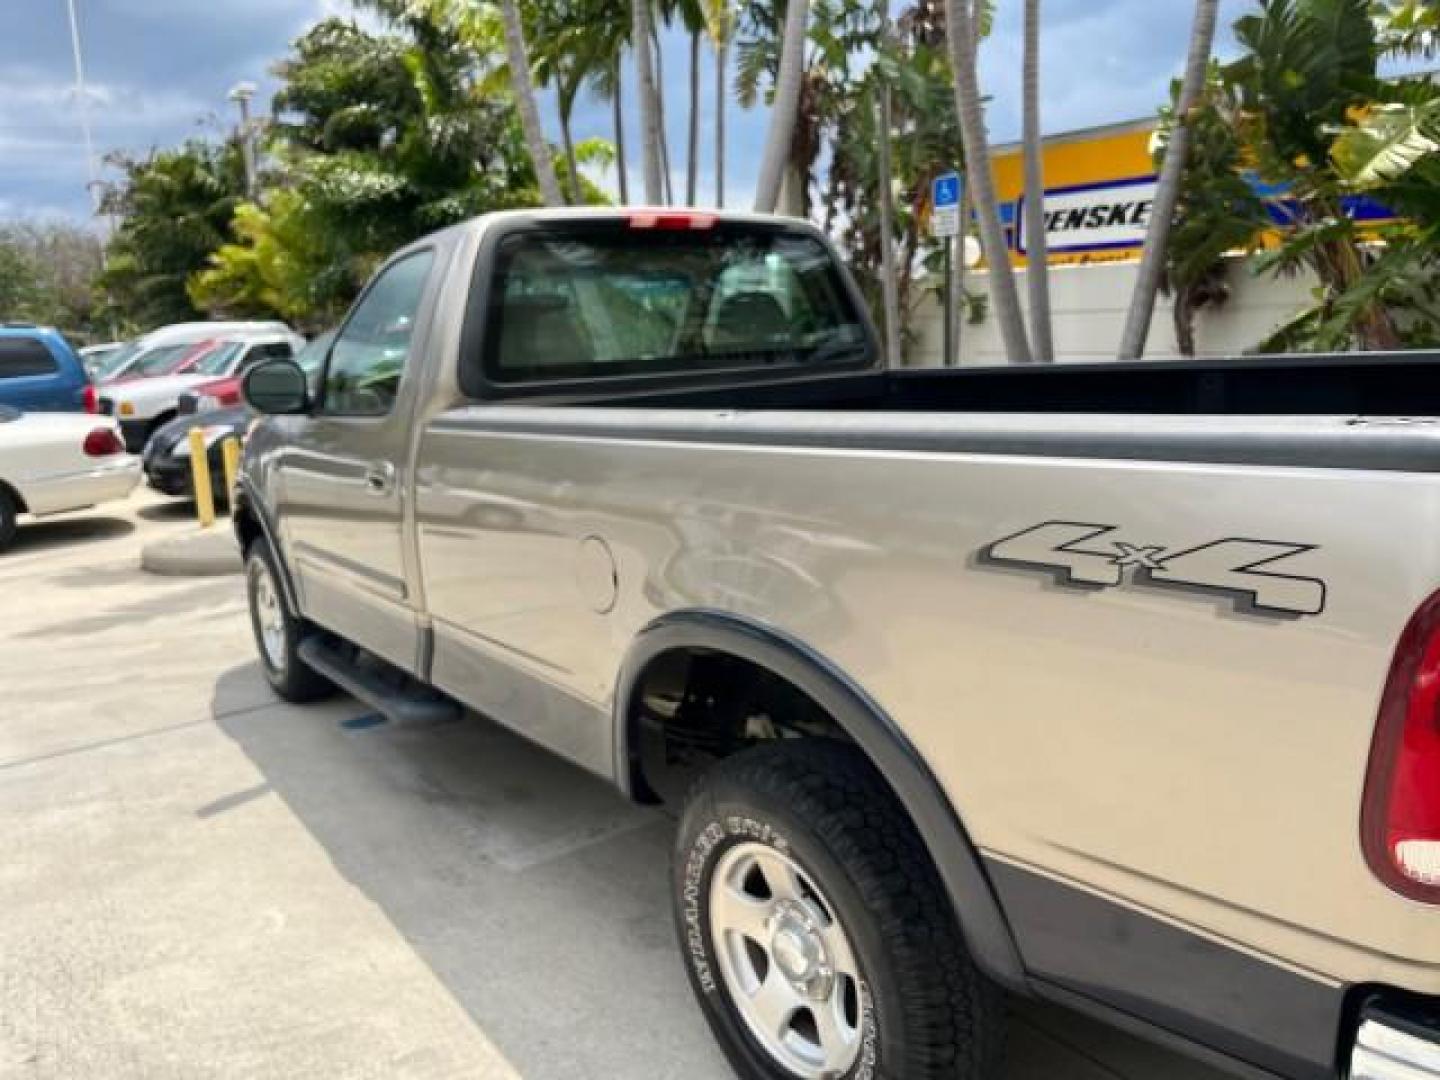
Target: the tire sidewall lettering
pixel 709 842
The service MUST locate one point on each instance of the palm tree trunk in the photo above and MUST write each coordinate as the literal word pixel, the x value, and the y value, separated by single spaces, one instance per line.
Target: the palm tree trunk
pixel 692 163
pixel 574 168
pixel 617 116
pixel 885 184
pixel 1167 193
pixel 1003 294
pixel 649 97
pixel 1037 248
pixel 525 101
pixel 660 108
pixel 783 109
pixel 722 54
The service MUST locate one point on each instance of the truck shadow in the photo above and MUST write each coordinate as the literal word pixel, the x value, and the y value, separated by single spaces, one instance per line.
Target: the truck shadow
pixel 535 893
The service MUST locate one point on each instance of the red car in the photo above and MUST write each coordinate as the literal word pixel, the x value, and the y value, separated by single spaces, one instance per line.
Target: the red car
pixel 170 360
pixel 225 393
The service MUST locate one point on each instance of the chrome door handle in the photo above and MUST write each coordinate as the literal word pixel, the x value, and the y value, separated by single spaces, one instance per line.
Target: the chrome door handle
pixel 379 479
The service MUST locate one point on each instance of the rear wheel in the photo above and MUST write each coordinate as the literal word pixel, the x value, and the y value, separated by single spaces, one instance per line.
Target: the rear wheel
pixel 278 631
pixel 818 937
pixel 8 514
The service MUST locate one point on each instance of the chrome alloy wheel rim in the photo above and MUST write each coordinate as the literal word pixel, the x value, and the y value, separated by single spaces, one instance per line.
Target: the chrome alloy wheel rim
pixel 270 617
pixel 786 961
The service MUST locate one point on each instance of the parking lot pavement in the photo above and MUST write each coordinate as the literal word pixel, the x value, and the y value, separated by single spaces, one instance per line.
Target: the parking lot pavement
pixel 202 882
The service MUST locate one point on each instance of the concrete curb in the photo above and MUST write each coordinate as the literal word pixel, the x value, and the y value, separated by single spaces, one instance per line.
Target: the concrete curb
pixel 198 553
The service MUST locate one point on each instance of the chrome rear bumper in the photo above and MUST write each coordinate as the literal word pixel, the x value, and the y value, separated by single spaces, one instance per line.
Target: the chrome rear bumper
pixel 1389 1047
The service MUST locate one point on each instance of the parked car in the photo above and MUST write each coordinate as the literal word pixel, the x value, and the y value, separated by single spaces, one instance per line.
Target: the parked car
pixel 225 393
pixel 166 360
pixel 167 453
pixel 135 352
pixel 94 356
pixel 1110 684
pixel 145 405
pixel 50 462
pixel 40 372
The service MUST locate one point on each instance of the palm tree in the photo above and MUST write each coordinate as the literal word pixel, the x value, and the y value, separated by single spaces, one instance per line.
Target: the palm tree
pixel 1004 297
pixel 640 40
pixel 693 18
pixel 611 84
pixel 692 145
pixel 525 102
pixel 1037 248
pixel 889 281
pixel 720 25
pixel 1167 193
pixel 784 109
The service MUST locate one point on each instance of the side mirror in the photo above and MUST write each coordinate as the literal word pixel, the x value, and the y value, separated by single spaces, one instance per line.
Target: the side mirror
pixel 276 388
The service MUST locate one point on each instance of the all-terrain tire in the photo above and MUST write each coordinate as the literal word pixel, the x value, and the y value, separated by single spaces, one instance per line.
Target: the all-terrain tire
pixel 926 1011
pixel 288 675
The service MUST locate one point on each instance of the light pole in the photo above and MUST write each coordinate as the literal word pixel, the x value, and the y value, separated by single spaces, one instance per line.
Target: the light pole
pixel 241 93
pixel 83 100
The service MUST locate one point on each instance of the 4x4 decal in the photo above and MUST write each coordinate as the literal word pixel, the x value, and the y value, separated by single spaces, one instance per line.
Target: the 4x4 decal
pixel 1087 556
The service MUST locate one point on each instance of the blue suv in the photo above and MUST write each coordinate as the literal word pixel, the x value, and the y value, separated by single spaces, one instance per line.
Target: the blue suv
pixel 40 372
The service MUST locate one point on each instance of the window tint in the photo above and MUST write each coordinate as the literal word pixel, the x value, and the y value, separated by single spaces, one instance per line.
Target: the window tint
pixel 622 301
pixel 363 375
pixel 20 357
pixel 218 360
pixel 160 361
pixel 275 350
pixel 120 358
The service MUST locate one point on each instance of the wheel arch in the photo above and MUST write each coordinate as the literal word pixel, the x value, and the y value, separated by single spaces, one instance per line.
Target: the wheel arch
pixel 977 908
pixel 250 522
pixel 17 499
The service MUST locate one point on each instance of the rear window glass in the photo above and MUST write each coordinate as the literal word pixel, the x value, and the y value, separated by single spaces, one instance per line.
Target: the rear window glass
pixel 618 301
pixel 20 357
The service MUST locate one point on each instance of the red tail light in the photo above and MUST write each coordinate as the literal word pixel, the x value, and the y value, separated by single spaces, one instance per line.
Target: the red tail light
pixel 90 399
pixel 102 442
pixel 659 219
pixel 1400 821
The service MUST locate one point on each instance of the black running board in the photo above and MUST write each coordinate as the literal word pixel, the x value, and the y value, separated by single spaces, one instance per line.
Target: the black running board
pixel 394 695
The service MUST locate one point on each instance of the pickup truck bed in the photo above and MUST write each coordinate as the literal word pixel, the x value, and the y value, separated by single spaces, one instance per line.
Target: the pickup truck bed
pixel 1103 683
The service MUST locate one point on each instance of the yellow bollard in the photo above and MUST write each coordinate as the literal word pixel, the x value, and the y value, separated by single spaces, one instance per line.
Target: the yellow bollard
pixel 230 455
pixel 200 474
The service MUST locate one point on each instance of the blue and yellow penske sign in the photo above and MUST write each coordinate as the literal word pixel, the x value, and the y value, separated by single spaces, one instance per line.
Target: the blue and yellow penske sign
pixel 1100 193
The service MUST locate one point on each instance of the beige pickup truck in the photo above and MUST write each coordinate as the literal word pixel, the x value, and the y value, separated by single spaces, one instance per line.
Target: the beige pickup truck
pixel 1115 685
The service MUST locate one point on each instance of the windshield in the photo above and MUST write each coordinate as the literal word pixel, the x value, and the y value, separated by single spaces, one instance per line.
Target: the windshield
pixel 159 361
pixel 219 359
pixel 631 301
pixel 112 363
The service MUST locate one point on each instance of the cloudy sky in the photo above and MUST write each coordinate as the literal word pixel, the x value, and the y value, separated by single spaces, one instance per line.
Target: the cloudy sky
pixel 158 71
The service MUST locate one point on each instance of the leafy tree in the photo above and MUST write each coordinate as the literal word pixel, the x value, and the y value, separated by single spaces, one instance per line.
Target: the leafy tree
pixel 174 209
pixel 380 138
pixel 1308 68
pixel 20 288
pixel 925 141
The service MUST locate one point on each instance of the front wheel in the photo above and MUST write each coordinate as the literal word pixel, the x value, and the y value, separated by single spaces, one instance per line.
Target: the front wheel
pixel 278 631
pixel 817 935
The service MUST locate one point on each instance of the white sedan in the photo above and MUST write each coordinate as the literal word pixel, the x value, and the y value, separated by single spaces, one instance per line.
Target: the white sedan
pixel 51 462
